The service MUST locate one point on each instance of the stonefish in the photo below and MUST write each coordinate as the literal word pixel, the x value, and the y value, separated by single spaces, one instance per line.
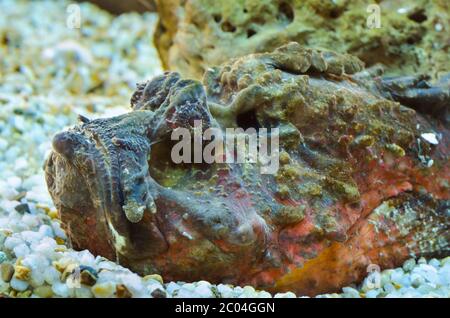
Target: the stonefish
pixel 363 175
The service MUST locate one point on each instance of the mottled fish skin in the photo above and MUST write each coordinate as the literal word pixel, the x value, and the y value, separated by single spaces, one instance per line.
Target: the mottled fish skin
pixel 358 184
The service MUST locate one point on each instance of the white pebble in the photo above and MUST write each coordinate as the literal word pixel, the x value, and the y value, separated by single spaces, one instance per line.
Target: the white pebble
pixel 203 291
pixel 285 295
pixel 52 275
pixel 18 284
pixel 61 289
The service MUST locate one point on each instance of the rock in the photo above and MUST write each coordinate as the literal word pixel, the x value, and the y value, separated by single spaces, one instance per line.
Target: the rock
pixel 399 279
pixel 199 36
pixel 172 288
pixel 409 264
pixel 21 250
pixel 373 293
pixel 435 263
pixel 51 275
pixel 24 294
pixel 203 291
pixel 22 272
pixel 156 277
pixel 23 208
pixel 158 293
pixel 135 285
pixel 7 271
pixel 417 280
pixel 43 291
pixel 123 292
pixel 3 257
pixel 350 292
pixel 18 284
pixel 248 292
pixel 12 241
pixel 225 291
pixel 445 261
pixel 186 292
pixel 104 290
pixel 61 289
pixel 264 294
pixel 83 292
pixel 285 295
pixel 422 260
pixel 88 275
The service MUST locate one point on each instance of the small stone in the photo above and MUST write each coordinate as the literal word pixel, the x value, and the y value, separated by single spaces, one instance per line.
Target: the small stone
pixel 422 260
pixel 417 280
pixel 351 292
pixel 43 291
pixel 3 257
pixel 61 289
pixel 188 286
pixel 22 208
pixel 123 292
pixel 445 261
pixel 172 287
pixel 428 272
pixel 12 241
pixel 248 292
pixel 60 241
pixel 264 294
pixel 425 288
pixel 53 214
pixel 88 275
pixel 225 290
pixel 285 295
pixel 69 270
pixel 373 293
pixel 158 293
pixel 4 288
pixel 389 288
pixel 103 290
pixel 24 294
pixel 52 275
pixel 7 271
pixel 435 263
pixel 21 250
pixel 154 277
pixel 399 279
pixel 409 265
pixel 430 138
pixel 18 284
pixel 83 292
pixel 204 291
pixel 386 277
pixel 22 272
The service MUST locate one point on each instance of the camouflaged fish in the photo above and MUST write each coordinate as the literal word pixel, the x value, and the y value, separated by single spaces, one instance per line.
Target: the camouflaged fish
pixel 363 175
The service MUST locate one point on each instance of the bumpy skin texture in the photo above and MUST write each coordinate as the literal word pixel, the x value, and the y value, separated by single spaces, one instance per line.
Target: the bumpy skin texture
pixel 413 35
pixel 356 184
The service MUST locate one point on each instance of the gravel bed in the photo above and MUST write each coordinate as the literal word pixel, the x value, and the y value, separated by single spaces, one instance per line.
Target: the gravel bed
pixel 50 73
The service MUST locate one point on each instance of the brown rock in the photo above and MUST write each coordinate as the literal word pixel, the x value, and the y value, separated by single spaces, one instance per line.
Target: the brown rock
pixel 412 36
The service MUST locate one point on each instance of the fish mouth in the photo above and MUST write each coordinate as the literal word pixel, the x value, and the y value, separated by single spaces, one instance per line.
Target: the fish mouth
pixel 85 156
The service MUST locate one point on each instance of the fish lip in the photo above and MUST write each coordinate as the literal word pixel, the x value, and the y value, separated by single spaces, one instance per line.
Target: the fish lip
pixel 78 149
